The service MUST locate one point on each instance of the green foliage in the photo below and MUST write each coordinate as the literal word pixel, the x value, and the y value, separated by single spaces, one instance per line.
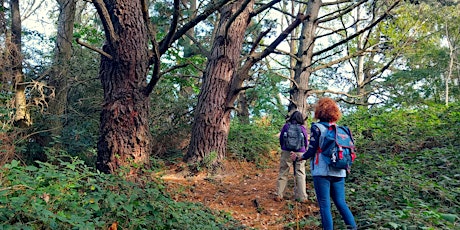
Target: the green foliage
pixel 252 142
pixel 406 175
pixel 71 196
pixel 5 112
pixel 261 98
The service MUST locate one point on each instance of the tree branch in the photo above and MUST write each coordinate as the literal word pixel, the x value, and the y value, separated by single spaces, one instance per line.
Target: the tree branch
pixel 257 57
pixel 166 42
pixel 244 88
pixel 329 64
pixel 189 25
pixel 174 68
pixel 258 39
pixel 335 3
pixel 111 36
pixel 202 49
pixel 264 7
pixel 288 78
pixel 347 9
pixel 102 52
pixel 150 30
pixel 387 12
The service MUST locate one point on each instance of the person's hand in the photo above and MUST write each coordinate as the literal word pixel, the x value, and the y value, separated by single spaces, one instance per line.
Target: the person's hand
pixel 293 156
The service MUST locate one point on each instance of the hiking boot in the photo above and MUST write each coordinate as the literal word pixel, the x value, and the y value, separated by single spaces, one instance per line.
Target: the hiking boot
pixel 278 199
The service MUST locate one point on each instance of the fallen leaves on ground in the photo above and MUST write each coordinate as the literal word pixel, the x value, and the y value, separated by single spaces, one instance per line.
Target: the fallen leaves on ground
pixel 245 191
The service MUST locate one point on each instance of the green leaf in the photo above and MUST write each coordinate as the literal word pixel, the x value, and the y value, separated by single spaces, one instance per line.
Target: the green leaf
pixel 14 163
pixel 31 168
pixel 449 217
pixel 393 225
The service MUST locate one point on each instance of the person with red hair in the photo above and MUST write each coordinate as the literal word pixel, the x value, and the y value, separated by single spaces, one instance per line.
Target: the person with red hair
pixel 329 182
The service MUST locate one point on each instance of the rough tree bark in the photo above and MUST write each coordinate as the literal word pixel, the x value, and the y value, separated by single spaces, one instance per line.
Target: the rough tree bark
pixel 303 70
pixel 223 82
pixel 212 115
pixel 125 138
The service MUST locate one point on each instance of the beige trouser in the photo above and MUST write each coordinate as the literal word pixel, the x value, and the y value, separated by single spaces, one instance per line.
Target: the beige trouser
pixel 300 192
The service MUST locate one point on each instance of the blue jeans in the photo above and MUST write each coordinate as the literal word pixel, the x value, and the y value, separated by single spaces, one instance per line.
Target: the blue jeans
pixel 327 187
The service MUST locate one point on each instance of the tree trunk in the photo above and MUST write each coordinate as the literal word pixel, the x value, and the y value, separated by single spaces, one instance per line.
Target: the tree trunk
pixel 22 115
pixel 60 71
pixel 451 64
pixel 125 139
pixel 243 108
pixel 303 67
pixel 212 115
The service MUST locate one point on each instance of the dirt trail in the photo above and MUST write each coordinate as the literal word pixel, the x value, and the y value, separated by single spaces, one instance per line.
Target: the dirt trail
pixel 244 191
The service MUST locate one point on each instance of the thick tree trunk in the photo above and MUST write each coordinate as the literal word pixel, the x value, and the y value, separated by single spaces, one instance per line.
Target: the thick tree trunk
pixel 303 67
pixel 125 139
pixel 212 115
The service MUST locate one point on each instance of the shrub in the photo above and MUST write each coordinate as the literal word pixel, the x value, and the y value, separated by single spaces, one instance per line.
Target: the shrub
pixel 252 142
pixel 406 173
pixel 69 195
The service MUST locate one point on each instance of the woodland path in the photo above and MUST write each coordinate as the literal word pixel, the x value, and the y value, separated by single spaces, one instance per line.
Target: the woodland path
pixel 244 191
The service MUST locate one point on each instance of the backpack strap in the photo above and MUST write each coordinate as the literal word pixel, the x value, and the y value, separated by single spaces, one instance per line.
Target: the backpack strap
pixel 322 129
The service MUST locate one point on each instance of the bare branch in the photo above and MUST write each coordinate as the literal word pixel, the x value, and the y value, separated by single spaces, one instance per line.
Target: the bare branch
pixel 174 68
pixel 111 36
pixel 258 39
pixel 288 78
pixel 155 73
pixel 387 12
pixel 283 52
pixel 270 49
pixel 336 92
pixel 189 25
pixel 244 88
pixel 165 43
pixel 281 11
pixel 336 2
pixel 339 60
pixel 380 71
pixel 202 49
pixel 347 9
pixel 150 30
pixel 264 7
pixel 102 52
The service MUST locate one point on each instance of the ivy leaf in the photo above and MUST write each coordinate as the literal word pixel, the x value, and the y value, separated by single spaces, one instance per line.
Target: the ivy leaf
pixel 31 168
pixel 449 217
pixel 393 225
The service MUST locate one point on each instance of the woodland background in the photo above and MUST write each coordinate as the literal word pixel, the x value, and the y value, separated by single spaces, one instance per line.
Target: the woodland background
pixel 97 97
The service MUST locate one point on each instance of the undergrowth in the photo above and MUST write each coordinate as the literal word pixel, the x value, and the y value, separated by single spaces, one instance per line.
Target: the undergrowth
pixel 71 196
pixel 253 142
pixel 406 175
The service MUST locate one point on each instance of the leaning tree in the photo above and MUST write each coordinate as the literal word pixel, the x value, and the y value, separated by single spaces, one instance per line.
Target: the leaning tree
pixel 224 77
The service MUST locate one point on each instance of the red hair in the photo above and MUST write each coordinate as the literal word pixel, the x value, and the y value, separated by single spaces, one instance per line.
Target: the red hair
pixel 327 110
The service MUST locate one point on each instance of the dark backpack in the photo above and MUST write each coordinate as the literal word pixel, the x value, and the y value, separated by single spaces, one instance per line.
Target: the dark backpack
pixel 336 143
pixel 293 138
